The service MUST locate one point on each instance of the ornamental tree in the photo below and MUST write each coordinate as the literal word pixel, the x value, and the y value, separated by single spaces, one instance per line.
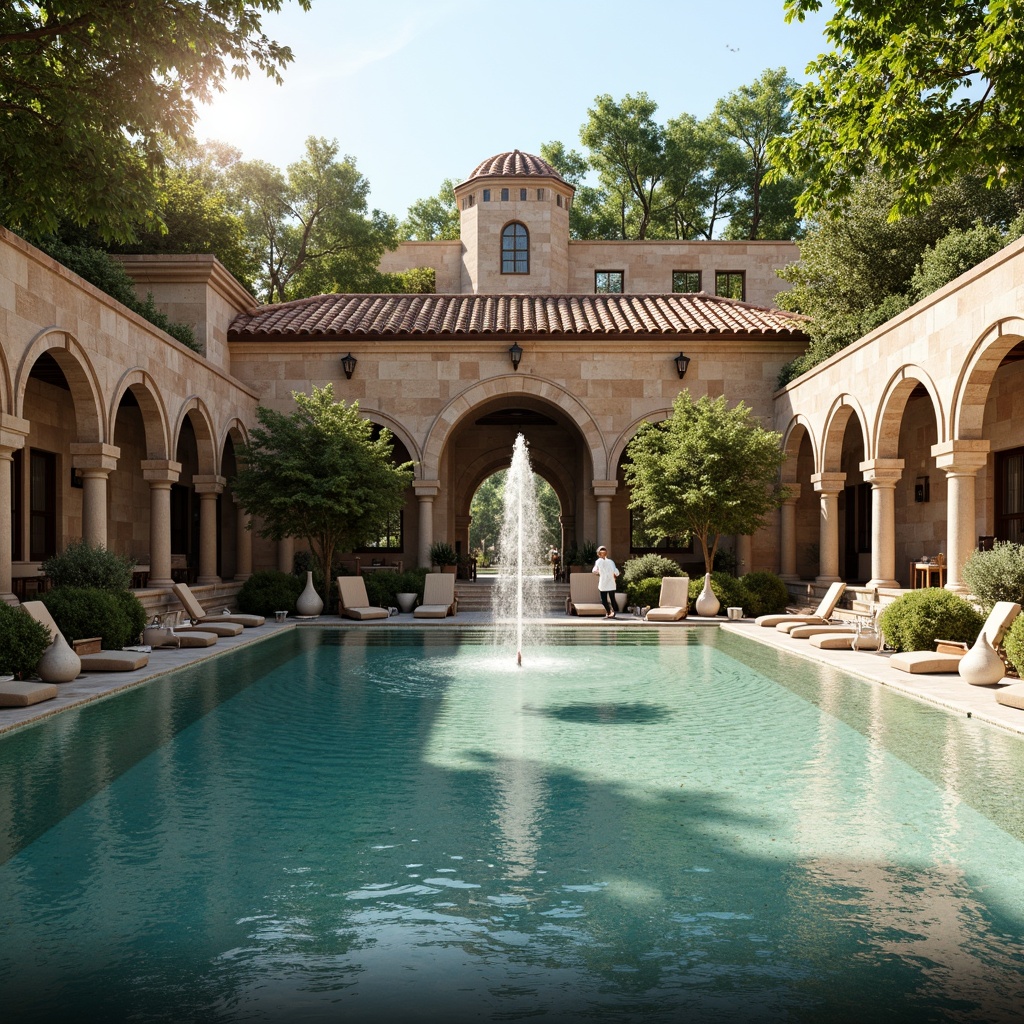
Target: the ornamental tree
pixel 705 472
pixel 321 473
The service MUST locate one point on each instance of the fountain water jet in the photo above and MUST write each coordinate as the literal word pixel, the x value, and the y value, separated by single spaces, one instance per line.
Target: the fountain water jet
pixel 518 600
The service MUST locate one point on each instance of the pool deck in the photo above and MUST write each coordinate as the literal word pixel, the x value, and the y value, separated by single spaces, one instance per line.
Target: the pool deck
pixel 947 690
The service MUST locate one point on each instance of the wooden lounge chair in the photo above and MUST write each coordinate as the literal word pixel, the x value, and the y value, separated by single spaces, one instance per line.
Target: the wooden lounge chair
pixel 103 661
pixel 353 602
pixel 200 617
pixel 819 616
pixel 439 598
pixel 946 657
pixel 673 601
pixel 584 597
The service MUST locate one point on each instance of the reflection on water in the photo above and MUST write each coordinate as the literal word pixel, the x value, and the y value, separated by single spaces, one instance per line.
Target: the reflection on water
pixel 382 827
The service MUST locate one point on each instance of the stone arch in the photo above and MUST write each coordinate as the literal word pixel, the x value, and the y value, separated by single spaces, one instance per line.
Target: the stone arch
pixel 154 413
pixel 798 428
pixel 891 407
pixel 194 408
pixel 6 385
pixel 836 423
pixel 618 447
pixel 382 419
pixel 236 430
pixel 977 373
pixel 513 386
pixel 544 466
pixel 75 364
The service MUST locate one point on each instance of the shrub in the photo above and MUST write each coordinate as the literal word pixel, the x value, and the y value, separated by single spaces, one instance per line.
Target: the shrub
pixel 916 620
pixel 1013 644
pixel 82 565
pixel 644 593
pixel 766 594
pixel 996 575
pixel 269 591
pixel 411 582
pixel 643 567
pixel 82 612
pixel 23 642
pixel 442 553
pixel 381 587
pixel 729 591
pixel 134 612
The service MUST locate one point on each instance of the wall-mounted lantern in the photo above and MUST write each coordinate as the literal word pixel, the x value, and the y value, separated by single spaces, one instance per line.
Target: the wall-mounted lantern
pixel 682 363
pixel 348 364
pixel 515 353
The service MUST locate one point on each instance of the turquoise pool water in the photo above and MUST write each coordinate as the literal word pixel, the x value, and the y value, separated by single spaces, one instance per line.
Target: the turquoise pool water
pixel 399 825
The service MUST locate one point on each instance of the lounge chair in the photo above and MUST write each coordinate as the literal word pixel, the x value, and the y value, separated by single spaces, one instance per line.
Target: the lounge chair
pixel 201 617
pixel 353 602
pixel 802 631
pixel 673 601
pixel 439 598
pixel 946 657
pixel 584 597
pixel 819 616
pixel 103 661
pixel 18 693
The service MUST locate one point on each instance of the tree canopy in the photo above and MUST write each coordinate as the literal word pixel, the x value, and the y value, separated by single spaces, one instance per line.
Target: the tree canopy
pixel 437 216
pixel 93 91
pixel 705 472
pixel 322 473
pixel 924 92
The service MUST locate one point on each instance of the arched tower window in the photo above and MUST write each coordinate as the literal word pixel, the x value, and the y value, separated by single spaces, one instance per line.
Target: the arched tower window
pixel 515 249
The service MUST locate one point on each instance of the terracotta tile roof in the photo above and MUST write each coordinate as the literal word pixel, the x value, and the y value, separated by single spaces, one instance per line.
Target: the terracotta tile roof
pixel 514 165
pixel 574 316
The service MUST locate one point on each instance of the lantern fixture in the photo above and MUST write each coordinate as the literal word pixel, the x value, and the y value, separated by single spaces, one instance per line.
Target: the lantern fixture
pixel 682 363
pixel 348 364
pixel 515 353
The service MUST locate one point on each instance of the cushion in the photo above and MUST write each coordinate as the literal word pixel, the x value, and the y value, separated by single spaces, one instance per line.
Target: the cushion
pixel 925 661
pixel 20 694
pixel 366 613
pixel 589 609
pixel 431 611
pixel 802 631
pixel 666 614
pixel 220 628
pixel 114 661
pixel 243 619
pixel 194 638
pixel 832 641
pixel 1012 696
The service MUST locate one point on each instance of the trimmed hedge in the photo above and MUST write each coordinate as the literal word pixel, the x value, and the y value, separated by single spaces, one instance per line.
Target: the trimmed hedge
pixel 644 567
pixel 82 565
pixel 381 587
pixel 644 593
pixel 766 594
pixel 82 612
pixel 996 575
pixel 916 620
pixel 23 641
pixel 269 591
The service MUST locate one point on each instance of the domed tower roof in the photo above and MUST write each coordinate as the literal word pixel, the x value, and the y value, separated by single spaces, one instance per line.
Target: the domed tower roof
pixel 515 164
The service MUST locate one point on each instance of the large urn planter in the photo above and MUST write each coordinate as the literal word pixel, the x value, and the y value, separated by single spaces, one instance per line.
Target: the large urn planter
pixel 59 663
pixel 309 602
pixel 981 665
pixel 406 601
pixel 620 600
pixel 707 604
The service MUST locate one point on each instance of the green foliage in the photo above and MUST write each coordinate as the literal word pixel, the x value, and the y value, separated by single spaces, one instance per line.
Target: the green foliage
pixel 134 612
pixel 442 553
pixel 766 593
pixel 319 473
pixel 728 589
pixel 957 252
pixel 644 592
pixel 417 281
pixel 706 471
pixel 916 620
pixel 588 552
pixel 1013 645
pixel 487 510
pixel 269 591
pixel 996 575
pixel 23 641
pixel 381 587
pixel 644 567
pixel 81 564
pixel 83 612
pixel 94 91
pixel 435 217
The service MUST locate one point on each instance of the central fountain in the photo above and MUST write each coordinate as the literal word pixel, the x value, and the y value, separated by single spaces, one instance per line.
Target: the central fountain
pixel 518 601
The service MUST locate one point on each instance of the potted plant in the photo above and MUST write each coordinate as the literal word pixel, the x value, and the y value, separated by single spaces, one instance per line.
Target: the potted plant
pixel 442 554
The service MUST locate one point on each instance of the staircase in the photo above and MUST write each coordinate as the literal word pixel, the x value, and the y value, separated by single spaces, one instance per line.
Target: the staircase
pixel 475 595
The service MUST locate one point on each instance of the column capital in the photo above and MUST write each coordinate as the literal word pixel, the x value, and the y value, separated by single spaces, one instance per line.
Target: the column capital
pixel 208 483
pixel 160 471
pixel 13 431
pixel 95 455
pixel 426 488
pixel 961 456
pixel 828 483
pixel 605 488
pixel 883 472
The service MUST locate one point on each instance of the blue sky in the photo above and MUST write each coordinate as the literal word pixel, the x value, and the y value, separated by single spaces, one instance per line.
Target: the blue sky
pixel 421 90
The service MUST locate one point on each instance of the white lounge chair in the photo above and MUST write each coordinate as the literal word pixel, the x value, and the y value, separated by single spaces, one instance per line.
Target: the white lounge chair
pixel 353 602
pixel 439 598
pixel 584 596
pixel 673 601
pixel 802 631
pixel 200 617
pixel 819 616
pixel 946 657
pixel 103 661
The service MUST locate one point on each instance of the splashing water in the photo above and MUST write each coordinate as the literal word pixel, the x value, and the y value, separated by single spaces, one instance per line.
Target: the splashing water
pixel 518 600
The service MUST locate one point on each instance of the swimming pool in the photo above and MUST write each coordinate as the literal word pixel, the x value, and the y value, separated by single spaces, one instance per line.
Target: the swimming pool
pixel 399 825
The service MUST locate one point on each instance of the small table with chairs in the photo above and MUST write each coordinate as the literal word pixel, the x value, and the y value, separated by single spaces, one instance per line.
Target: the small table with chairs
pixel 924 569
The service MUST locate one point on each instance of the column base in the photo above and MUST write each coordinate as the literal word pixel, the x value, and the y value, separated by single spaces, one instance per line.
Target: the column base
pixel 888 584
pixel 957 588
pixel 158 584
pixel 827 579
pixel 207 581
pixel 789 577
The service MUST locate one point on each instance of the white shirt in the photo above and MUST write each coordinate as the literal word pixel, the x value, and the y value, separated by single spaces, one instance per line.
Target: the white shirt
pixel 606 571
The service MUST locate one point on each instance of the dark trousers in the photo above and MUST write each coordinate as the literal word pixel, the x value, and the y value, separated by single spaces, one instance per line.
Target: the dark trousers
pixel 608 599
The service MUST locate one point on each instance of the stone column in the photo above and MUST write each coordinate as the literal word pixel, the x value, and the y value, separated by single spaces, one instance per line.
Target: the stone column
pixel 568 524
pixel 604 491
pixel 286 554
pixel 160 474
pixel 208 486
pixel 243 542
pixel 743 554
pixel 787 534
pixel 426 492
pixel 462 524
pixel 828 486
pixel 960 461
pixel 13 431
pixel 883 475
pixel 95 461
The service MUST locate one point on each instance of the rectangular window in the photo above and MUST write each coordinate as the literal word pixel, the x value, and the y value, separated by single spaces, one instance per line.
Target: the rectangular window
pixel 42 505
pixel 1009 523
pixel 504 195
pixel 390 537
pixel 731 284
pixel 17 504
pixel 540 195
pixel 522 195
pixel 608 282
pixel 558 198
pixel 487 195
pixel 686 280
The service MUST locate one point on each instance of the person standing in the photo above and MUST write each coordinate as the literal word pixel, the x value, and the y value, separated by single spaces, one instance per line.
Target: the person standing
pixel 606 571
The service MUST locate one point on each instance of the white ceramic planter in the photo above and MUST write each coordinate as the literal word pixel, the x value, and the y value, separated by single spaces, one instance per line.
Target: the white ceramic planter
pixel 981 665
pixel 309 602
pixel 406 601
pixel 59 664
pixel 620 600
pixel 707 604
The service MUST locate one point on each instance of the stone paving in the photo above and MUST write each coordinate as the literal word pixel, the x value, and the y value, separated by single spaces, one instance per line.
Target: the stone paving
pixel 948 691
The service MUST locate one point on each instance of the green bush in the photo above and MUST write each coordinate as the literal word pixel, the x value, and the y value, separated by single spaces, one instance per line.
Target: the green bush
pixel 916 620
pixel 643 567
pixel 22 642
pixel 996 575
pixel 644 593
pixel 766 594
pixel 411 582
pixel 381 587
pixel 1013 644
pixel 82 612
pixel 82 565
pixel 269 591
pixel 729 591
pixel 134 612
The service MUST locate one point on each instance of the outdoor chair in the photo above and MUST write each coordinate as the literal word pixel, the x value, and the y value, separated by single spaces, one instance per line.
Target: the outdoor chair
pixel 819 616
pixel 103 661
pixel 200 617
pixel 673 601
pixel 439 598
pixel 803 631
pixel 353 602
pixel 584 597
